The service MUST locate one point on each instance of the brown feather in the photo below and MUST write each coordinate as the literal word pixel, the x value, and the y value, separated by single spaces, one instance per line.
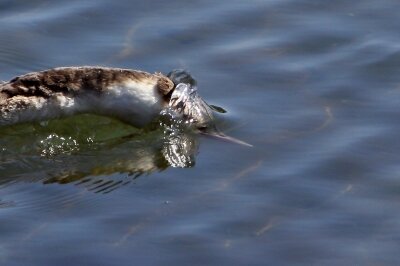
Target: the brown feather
pixel 71 81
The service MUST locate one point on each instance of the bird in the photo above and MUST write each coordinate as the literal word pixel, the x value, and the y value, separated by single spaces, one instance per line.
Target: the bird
pixel 132 96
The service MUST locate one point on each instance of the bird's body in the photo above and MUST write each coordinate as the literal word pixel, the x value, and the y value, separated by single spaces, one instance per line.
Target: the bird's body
pixel 133 96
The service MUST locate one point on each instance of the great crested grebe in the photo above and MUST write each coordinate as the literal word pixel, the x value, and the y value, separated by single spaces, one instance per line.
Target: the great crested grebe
pixel 133 96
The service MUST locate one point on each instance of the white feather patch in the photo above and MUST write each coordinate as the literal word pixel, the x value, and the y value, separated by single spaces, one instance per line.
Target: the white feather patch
pixel 135 102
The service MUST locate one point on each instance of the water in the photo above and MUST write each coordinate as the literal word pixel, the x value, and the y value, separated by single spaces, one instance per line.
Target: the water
pixel 314 86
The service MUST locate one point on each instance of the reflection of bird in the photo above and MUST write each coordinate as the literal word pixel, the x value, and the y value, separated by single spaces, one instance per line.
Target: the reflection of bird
pixel 101 166
pixel 99 176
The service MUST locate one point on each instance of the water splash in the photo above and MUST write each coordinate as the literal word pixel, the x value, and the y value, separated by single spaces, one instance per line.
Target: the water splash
pixel 180 145
pixel 55 144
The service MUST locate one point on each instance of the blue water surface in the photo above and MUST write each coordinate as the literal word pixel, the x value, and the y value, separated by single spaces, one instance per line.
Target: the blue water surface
pixel 313 85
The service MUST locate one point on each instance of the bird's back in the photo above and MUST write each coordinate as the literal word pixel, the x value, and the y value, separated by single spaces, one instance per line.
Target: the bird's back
pixel 69 90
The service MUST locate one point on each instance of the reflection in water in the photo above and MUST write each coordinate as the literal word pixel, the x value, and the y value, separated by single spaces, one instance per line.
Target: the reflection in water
pixel 89 156
pixel 179 150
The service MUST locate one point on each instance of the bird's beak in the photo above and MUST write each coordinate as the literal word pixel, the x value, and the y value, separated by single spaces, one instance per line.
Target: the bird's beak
pixel 186 101
pixel 215 133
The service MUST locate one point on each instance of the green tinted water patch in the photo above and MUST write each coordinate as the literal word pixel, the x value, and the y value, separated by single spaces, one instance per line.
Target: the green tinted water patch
pixel 68 149
pixel 62 135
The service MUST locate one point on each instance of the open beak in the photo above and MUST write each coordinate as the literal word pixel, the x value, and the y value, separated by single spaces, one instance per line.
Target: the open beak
pixel 186 100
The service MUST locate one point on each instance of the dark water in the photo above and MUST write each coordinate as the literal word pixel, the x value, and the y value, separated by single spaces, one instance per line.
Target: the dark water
pixel 313 85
